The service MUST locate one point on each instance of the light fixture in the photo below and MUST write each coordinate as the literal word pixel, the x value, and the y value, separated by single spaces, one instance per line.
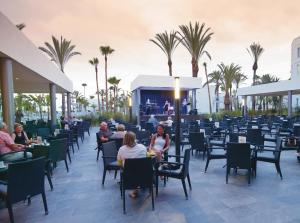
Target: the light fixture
pixel 129 101
pixel 177 88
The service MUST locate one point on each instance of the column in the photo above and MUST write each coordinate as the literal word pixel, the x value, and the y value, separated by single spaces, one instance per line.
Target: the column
pixel 7 92
pixel 245 106
pixel 53 104
pixel 69 104
pixel 194 98
pixel 290 100
pixel 138 102
pixel 63 104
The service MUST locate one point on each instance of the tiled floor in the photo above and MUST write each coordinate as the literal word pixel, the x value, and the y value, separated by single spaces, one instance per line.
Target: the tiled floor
pixel 78 196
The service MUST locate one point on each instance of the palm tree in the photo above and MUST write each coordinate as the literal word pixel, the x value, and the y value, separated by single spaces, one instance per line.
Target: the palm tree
pixel 102 94
pixel 266 79
pixel 255 51
pixel 115 88
pixel 194 39
pixel 228 73
pixel 84 85
pixel 238 79
pixel 39 101
pixel 95 63
pixel 60 53
pixel 215 77
pixel 106 50
pixel 208 91
pixel 167 43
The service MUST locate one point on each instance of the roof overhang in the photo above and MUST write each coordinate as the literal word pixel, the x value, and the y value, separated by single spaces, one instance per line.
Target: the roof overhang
pixel 32 70
pixel 272 89
pixel 155 82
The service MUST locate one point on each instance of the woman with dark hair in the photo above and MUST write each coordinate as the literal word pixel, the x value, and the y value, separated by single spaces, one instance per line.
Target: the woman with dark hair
pixel 160 142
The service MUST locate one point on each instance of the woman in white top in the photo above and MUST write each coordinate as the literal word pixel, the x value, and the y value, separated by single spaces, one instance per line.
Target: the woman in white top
pixel 131 150
pixel 160 142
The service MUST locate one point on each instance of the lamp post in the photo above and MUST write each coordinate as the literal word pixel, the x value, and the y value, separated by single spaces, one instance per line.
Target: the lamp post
pixel 177 118
pixel 130 109
pixel 84 85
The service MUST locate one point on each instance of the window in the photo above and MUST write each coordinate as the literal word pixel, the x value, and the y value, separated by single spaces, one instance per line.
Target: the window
pixel 298 52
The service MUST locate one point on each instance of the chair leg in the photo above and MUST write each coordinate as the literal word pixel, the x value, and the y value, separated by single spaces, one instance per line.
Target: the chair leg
pixel 69 156
pixel 165 181
pixel 156 184
pixel 116 172
pixel 189 181
pixel 206 166
pixel 124 208
pixel 45 202
pixel 77 144
pixel 184 188
pixel 152 197
pixel 249 175
pixel 67 167
pixel 10 211
pixel 98 154
pixel 227 173
pixel 103 177
pixel 278 169
pixel 49 180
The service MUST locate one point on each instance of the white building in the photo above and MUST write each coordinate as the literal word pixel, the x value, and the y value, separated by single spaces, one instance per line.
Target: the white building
pixel 282 88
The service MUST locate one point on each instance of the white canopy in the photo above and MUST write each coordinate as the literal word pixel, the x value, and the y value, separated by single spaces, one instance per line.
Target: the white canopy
pixel 155 82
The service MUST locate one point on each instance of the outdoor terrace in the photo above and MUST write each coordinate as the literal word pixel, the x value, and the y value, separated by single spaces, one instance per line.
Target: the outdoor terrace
pixel 78 196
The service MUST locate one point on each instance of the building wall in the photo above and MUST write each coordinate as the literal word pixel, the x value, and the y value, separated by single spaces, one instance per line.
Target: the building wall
pixel 295 59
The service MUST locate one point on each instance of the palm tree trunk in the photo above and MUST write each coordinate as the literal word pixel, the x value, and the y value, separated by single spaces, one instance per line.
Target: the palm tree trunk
pixel 253 97
pixel 170 67
pixel 96 70
pixel 226 101
pixel 208 91
pixel 114 101
pixel 195 67
pixel 106 89
pixel 217 101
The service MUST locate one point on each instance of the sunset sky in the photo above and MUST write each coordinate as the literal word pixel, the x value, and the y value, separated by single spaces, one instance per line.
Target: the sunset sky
pixel 127 26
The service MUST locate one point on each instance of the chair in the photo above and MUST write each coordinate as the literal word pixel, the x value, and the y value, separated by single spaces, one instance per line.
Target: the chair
pixel 86 126
pixel 110 152
pixel 270 155
pixel 119 143
pixel 58 151
pixel 255 137
pixel 99 145
pixel 75 135
pixel 238 157
pixel 197 142
pixel 137 173
pixel 214 151
pixel 25 179
pixel 43 151
pixel 43 132
pixel 143 137
pixel 181 170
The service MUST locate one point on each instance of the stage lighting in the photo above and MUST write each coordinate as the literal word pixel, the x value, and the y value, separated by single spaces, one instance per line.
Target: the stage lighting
pixel 177 88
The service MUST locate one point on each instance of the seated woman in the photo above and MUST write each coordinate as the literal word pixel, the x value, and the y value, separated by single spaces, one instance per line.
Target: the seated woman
pixel 131 150
pixel 10 151
pixel 160 142
pixel 19 136
pixel 120 133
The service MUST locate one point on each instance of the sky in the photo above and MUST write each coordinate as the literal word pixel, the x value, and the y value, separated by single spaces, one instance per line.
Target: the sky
pixel 127 25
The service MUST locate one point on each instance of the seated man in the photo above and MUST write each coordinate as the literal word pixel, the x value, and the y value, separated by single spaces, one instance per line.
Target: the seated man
pixel 10 151
pixel 104 132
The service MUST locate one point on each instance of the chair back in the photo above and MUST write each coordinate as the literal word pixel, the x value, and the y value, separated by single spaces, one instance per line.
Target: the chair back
pixel 239 155
pixel 296 130
pixel 143 137
pixel 110 152
pixel 255 137
pixel 58 149
pixel 234 137
pixel 196 140
pixel 186 162
pixel 137 172
pixel 43 132
pixel 40 151
pixel 25 178
pixel 278 148
pixel 119 143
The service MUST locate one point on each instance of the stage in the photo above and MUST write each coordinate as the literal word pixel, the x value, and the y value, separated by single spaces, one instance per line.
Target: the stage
pixel 154 95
